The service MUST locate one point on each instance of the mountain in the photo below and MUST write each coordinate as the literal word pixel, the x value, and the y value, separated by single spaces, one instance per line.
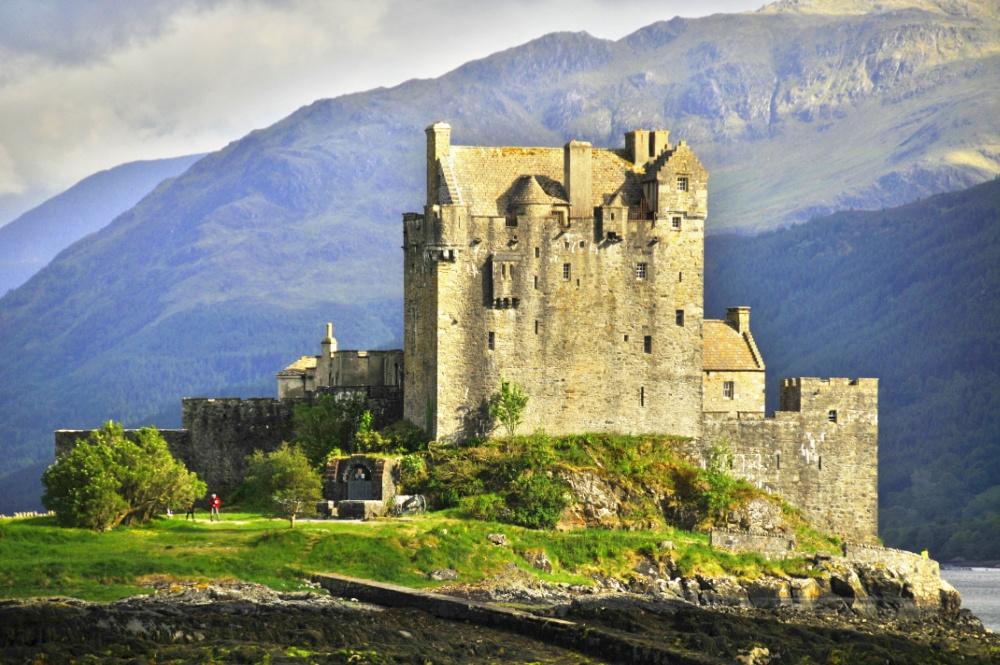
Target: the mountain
pixel 908 295
pixel 33 239
pixel 223 274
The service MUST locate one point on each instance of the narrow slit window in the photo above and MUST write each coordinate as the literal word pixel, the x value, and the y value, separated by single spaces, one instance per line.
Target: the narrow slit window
pixel 536 281
pixel 538 252
pixel 626 338
pixel 819 462
pixel 640 271
pixel 832 416
pixel 679 317
pixel 503 269
pixel 536 326
pixel 680 277
pixel 682 183
pixel 728 389
pixel 567 272
pixel 777 461
pixel 647 344
pixel 491 340
pixel 642 396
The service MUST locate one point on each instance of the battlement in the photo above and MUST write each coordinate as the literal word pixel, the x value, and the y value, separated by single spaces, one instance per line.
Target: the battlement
pixel 833 395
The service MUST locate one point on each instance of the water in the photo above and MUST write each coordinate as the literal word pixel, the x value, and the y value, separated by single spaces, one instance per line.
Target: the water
pixel 980 589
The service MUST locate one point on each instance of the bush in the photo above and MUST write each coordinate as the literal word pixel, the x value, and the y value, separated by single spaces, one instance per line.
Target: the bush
pixel 396 439
pixel 282 482
pixel 536 500
pixel 326 425
pixel 507 405
pixel 109 479
pixel 489 507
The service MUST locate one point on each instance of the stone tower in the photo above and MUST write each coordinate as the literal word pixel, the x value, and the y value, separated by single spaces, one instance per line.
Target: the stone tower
pixel 576 272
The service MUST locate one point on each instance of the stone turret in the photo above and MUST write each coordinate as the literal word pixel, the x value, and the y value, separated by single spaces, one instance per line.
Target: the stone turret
pixel 438 145
pixel 577 178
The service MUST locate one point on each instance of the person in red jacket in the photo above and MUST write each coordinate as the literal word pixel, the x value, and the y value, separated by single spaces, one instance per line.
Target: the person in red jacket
pixel 214 503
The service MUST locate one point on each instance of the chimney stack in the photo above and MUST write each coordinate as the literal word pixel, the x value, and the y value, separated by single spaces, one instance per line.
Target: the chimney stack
pixel 739 318
pixel 576 179
pixel 438 145
pixel 637 146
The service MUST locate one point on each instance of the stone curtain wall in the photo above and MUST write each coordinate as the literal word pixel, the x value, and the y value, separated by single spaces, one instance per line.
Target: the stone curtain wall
pixel 219 433
pixel 827 469
pixel 746 541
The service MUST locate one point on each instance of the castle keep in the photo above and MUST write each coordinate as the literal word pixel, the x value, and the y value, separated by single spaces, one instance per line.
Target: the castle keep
pixel 576 272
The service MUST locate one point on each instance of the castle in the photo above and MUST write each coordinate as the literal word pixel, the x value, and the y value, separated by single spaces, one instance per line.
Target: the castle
pixel 578 273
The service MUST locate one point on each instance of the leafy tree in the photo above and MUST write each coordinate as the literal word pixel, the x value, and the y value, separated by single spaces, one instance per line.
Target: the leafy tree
pixel 110 478
pixel 327 425
pixel 282 482
pixel 507 405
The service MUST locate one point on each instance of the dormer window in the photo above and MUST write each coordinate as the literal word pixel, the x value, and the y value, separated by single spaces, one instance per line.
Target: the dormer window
pixel 682 183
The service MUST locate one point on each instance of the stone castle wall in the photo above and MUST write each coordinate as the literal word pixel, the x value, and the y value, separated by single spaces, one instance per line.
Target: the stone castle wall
pixel 820 454
pixel 219 433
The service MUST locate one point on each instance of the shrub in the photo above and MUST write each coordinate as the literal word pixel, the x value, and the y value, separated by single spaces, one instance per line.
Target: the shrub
pixel 326 425
pixel 489 507
pixel 110 479
pixel 536 500
pixel 282 482
pixel 398 438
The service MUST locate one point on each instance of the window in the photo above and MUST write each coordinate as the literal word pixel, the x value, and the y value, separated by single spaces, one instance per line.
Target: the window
pixel 491 340
pixel 832 416
pixel 682 183
pixel 503 270
pixel 566 271
pixel 536 281
pixel 642 396
pixel 626 338
pixel 511 222
pixel 777 461
pixel 640 271
pixel 728 389
pixel 647 344
pixel 538 252
pixel 819 462
pixel 679 317
pixel 675 223
pixel 536 326
pixel 583 243
pixel 680 277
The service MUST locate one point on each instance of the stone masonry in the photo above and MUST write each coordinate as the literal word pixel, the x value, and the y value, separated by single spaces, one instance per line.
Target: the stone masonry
pixel 576 272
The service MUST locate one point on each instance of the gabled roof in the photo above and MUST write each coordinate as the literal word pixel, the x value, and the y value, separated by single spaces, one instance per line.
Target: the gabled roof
pixel 486 178
pixel 726 349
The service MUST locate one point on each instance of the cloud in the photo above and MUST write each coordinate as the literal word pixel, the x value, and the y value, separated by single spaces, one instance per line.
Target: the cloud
pixel 86 86
pixel 10 181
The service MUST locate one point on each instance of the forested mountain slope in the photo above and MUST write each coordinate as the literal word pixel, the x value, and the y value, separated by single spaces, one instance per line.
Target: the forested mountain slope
pixel 908 295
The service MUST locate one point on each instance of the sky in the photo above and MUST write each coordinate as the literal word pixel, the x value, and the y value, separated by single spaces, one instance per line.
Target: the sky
pixel 85 86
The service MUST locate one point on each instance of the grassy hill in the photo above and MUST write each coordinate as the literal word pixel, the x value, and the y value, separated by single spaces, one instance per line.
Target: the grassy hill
pixel 907 295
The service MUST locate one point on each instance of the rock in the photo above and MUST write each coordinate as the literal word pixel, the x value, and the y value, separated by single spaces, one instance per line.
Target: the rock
pixel 497 539
pixel 407 634
pixel 444 574
pixel 538 560
pixel 806 590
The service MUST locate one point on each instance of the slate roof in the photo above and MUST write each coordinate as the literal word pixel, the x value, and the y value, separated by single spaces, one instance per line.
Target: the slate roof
pixel 486 178
pixel 725 349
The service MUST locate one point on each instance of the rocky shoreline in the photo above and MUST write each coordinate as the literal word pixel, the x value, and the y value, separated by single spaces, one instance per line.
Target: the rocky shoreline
pixel 839 612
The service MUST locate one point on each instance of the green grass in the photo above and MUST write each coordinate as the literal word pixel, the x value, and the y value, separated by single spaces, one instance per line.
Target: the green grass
pixel 39 558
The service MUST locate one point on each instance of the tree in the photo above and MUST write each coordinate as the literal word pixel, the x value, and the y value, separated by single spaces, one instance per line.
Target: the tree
pixel 109 478
pixel 283 481
pixel 326 425
pixel 507 405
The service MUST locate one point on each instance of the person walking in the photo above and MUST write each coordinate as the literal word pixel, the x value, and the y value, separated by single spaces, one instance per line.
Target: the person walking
pixel 190 512
pixel 215 503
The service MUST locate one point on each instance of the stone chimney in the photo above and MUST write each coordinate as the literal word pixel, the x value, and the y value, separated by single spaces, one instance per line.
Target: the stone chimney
pixel 438 145
pixel 637 146
pixel 739 318
pixel 659 140
pixel 576 179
